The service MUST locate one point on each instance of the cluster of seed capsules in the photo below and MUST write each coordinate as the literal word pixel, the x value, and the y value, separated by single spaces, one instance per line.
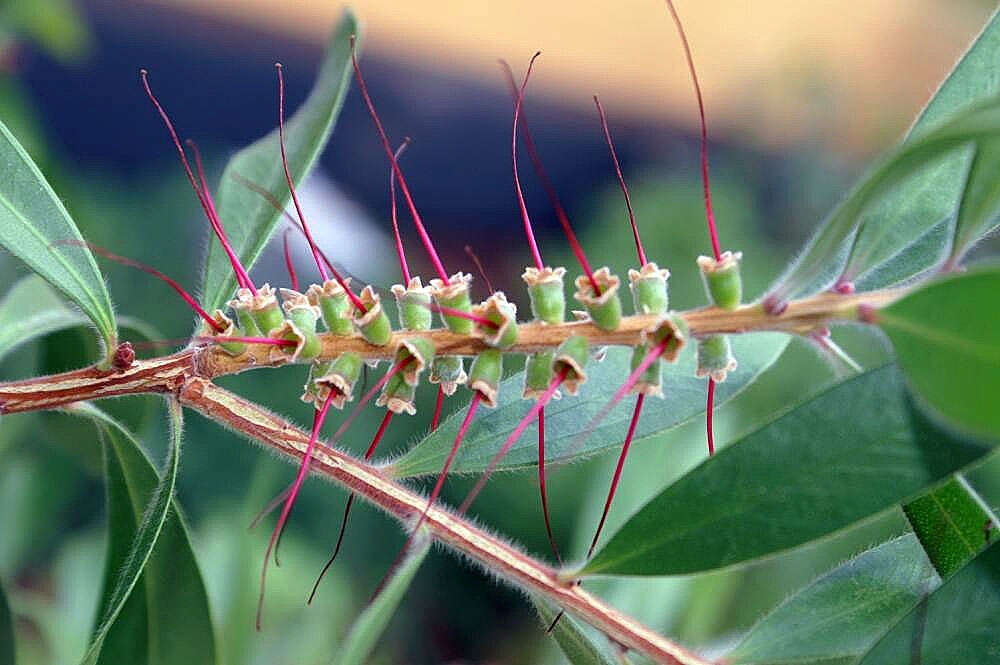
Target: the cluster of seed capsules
pixel 293 328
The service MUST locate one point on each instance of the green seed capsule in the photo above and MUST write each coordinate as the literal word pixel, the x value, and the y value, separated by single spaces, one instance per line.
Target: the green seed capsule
pixel 341 376
pixel 604 310
pixel 723 283
pixel 572 356
pixel 242 304
pixel 334 305
pixel 265 310
pixel 454 296
pixel 228 330
pixel 397 395
pixel 449 373
pixel 650 381
pixel 547 293
pixel 649 289
pixel 484 375
pixel 504 314
pixel 538 375
pixel 304 317
pixel 672 328
pixel 373 325
pixel 715 357
pixel 413 302
pixel 421 350
pixel 311 391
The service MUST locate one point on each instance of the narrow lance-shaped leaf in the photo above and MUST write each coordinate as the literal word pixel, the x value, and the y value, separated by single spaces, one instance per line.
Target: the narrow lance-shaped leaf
pixel 566 418
pixel 154 606
pixel 578 647
pixel 842 456
pixel 843 613
pixel 931 196
pixel 820 263
pixel 7 651
pixel 947 338
pixel 32 309
pixel 955 624
pixel 979 211
pixel 373 620
pixel 248 218
pixel 36 228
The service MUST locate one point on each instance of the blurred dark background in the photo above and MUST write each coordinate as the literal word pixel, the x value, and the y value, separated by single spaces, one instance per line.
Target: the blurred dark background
pixel 794 115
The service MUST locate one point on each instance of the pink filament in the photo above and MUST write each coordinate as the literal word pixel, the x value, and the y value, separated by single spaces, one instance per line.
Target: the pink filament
pixel 621 182
pixel 704 133
pixel 318 418
pixel 451 311
pixel 288 262
pixel 241 274
pixel 247 340
pixel 436 420
pixel 513 437
pixel 395 218
pixel 288 175
pixel 479 266
pixel 549 188
pixel 618 471
pixel 541 483
pixel 428 244
pixel 708 416
pixel 188 298
pixel 517 178
pixel 350 502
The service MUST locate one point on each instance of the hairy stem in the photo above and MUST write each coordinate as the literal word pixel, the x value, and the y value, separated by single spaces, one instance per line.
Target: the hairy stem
pixel 406 505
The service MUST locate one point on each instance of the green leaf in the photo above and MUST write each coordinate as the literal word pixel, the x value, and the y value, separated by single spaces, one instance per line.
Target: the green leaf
pixel 947 339
pixel 888 209
pixel 33 309
pixel 7 651
pixel 951 524
pixel 956 624
pixel 566 419
pixel 154 606
pixel 978 212
pixel 844 612
pixel 36 228
pixel 574 642
pixel 373 620
pixel 933 194
pixel 842 456
pixel 248 219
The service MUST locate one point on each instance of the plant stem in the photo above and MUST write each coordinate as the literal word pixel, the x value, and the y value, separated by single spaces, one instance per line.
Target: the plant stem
pixel 462 535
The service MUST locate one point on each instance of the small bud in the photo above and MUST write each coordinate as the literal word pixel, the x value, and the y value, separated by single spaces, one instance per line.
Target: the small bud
pixel 421 350
pixel 230 330
pixel 340 375
pixel 265 311
pixel 504 314
pixel 649 289
pixel 124 356
pixel 605 310
pixel 455 296
pixel 547 293
pixel 671 327
pixel 723 283
pixel 572 354
pixel 397 395
pixel 413 302
pixel 334 305
pixel 242 304
pixel 538 374
pixel 449 372
pixel 373 325
pixel 715 357
pixel 650 382
pixel 484 376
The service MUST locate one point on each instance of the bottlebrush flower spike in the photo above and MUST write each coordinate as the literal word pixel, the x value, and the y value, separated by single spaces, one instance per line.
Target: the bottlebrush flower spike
pixel 204 197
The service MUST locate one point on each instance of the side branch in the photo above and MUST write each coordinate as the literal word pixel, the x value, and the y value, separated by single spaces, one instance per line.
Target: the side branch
pixel 459 534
